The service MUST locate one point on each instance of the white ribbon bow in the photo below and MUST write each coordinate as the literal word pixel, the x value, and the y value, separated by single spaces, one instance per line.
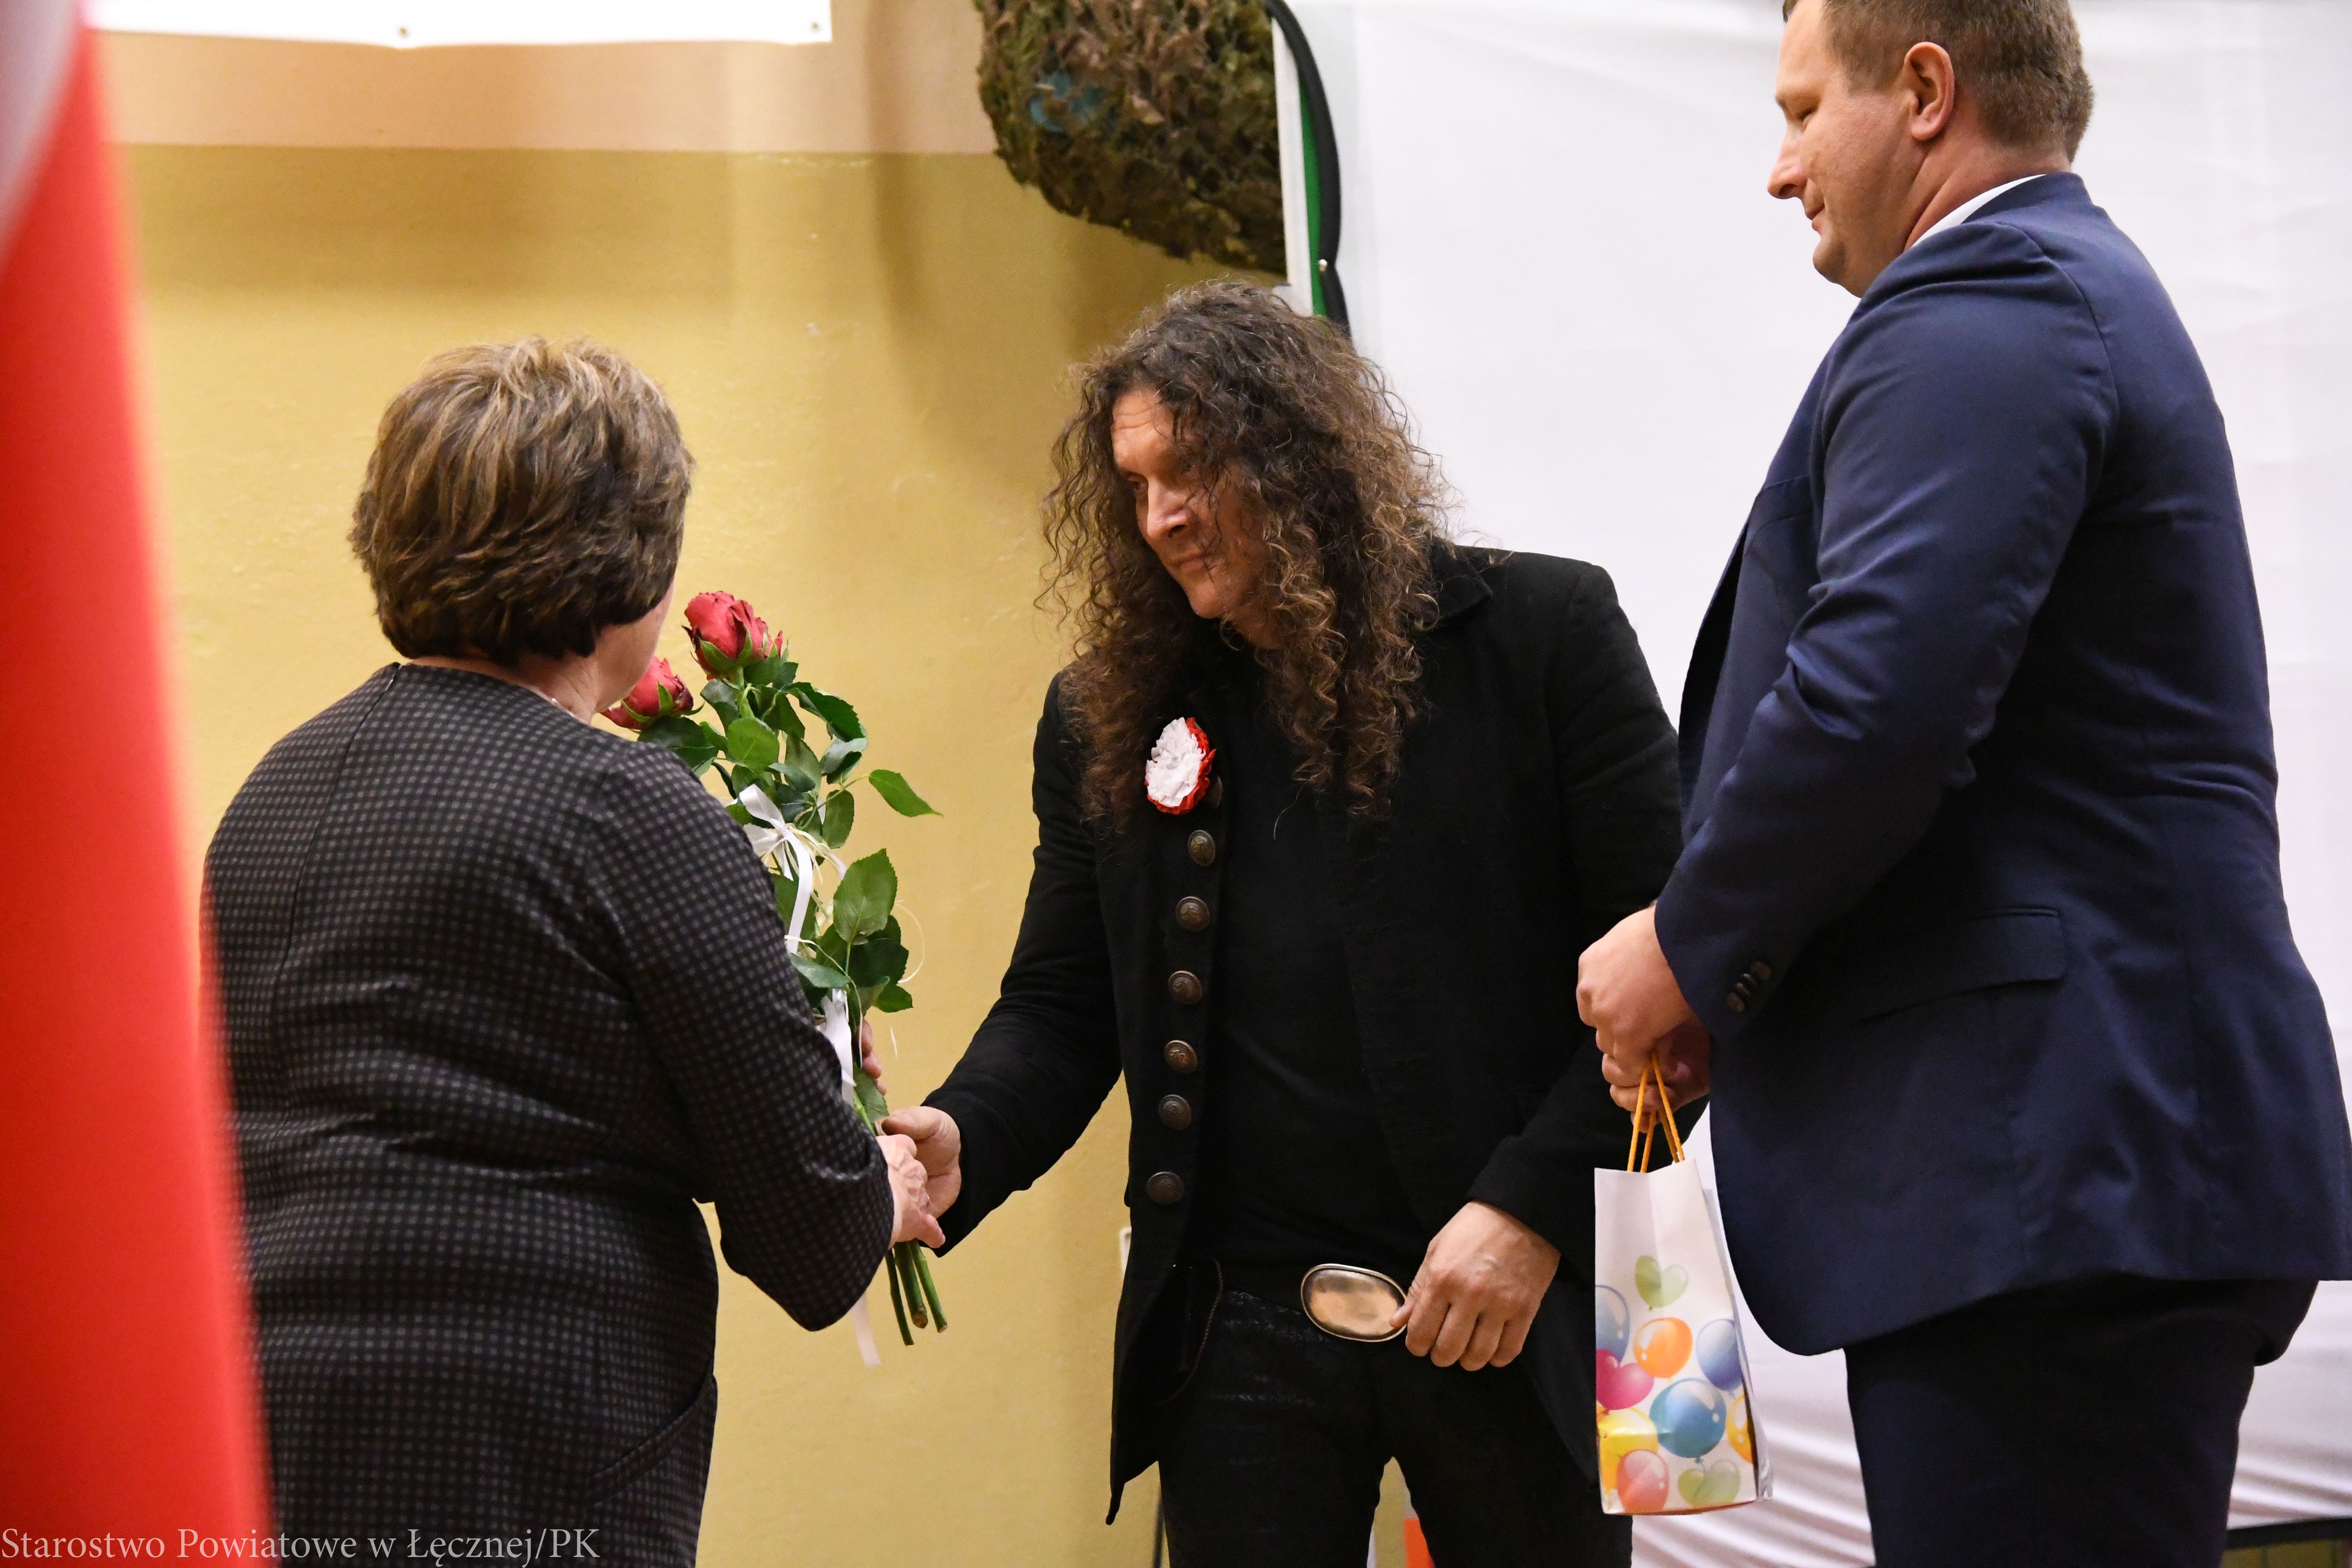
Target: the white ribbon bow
pixel 772 835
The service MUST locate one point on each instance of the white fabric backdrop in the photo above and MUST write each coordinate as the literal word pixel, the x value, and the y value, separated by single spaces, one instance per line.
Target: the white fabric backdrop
pixel 1556 236
pixel 409 24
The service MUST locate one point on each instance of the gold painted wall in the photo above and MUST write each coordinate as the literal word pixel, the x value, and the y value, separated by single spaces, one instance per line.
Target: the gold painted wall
pixel 867 354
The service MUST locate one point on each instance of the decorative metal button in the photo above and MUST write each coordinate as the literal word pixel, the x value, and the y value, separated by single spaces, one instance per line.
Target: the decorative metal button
pixel 1175 1113
pixel 1203 846
pixel 1216 794
pixel 1192 913
pixel 1736 1002
pixel 1165 1187
pixel 1185 986
pixel 1180 1055
pixel 1759 971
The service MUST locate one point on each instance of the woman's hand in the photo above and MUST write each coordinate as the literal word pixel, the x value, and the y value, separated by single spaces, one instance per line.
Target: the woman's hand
pixel 867 1059
pixel 910 1202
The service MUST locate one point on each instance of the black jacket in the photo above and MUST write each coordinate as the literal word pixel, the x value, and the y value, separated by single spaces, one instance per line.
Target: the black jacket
pixel 504 996
pixel 1537 806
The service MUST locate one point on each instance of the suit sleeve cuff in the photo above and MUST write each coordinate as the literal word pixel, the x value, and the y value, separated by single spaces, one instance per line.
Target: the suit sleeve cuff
pixel 1724 982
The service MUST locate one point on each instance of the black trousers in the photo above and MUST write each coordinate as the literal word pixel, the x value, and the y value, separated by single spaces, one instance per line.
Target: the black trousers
pixel 1272 1451
pixel 2088 1426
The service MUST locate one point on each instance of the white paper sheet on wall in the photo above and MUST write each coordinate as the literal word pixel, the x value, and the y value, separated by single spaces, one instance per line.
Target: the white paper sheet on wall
pixel 412 24
pixel 1557 240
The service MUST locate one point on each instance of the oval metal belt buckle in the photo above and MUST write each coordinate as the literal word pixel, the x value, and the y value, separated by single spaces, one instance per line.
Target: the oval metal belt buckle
pixel 1351 1303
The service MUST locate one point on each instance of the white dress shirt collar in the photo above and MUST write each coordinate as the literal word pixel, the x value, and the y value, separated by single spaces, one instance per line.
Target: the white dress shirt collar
pixel 1967 209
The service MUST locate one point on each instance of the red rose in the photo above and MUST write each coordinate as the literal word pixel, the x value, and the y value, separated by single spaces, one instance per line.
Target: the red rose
pixel 727 633
pixel 660 694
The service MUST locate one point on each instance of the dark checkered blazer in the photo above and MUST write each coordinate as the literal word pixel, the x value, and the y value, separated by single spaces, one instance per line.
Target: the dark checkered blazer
pixel 504 996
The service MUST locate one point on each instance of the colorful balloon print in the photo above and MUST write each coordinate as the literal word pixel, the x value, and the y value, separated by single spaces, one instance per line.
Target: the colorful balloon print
pixel 1621 1432
pixel 1660 1287
pixel 1712 1487
pixel 1690 1417
pixel 1743 1437
pixel 1641 1483
pixel 1611 1322
pixel 1718 1353
pixel 1662 1345
pixel 1618 1384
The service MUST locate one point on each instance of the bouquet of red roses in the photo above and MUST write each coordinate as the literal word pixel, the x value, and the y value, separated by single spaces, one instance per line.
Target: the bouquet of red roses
pixel 794 802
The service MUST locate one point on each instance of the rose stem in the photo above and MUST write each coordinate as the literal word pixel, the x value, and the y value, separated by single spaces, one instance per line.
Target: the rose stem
pixel 899 1307
pixel 930 1291
pixel 914 1293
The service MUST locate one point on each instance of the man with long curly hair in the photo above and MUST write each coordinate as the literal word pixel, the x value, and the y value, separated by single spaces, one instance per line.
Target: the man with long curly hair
pixel 1325 802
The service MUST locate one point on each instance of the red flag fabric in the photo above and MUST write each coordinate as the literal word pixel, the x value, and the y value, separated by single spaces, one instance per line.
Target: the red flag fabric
pixel 126 1412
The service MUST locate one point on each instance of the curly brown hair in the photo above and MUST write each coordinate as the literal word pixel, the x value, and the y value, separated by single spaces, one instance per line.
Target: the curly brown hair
pixel 521 498
pixel 1283 408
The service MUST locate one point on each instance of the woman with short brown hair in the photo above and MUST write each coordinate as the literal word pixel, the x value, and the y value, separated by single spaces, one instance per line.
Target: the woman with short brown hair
pixel 521 498
pixel 505 995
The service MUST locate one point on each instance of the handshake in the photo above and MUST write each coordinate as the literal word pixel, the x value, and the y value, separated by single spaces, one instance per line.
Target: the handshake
pixel 923 1148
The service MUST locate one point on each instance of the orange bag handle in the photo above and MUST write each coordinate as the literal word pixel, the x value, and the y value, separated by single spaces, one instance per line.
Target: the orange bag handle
pixel 1642 1131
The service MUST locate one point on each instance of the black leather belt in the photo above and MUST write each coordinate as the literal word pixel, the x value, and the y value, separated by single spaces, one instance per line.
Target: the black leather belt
pixel 1275 1283
pixel 1343 1300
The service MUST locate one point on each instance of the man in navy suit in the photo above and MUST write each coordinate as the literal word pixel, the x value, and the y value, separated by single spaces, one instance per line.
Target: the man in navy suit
pixel 2021 1094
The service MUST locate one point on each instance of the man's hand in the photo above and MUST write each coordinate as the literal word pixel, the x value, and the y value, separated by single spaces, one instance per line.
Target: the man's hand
pixel 1684 1058
pixel 910 1203
pixel 867 1058
pixel 1476 1294
pixel 1625 990
pixel 939 1144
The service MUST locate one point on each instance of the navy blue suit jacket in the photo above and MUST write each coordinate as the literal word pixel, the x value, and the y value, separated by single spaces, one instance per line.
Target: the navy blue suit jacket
pixel 1979 895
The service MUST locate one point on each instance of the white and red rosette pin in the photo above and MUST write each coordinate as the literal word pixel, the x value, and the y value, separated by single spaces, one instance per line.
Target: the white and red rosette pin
pixel 1176 776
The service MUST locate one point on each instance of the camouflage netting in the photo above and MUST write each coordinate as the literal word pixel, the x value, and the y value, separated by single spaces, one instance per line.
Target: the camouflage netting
pixel 1151 116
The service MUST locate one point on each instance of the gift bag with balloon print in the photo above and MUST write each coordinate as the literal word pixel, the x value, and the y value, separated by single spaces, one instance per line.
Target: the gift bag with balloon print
pixel 1678 1433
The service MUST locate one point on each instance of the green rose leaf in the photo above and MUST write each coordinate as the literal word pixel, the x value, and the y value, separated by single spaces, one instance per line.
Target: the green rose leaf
pixel 823 976
pixel 775 670
pixel 841 756
pixel 831 949
pixel 892 999
pixel 870 1099
pixel 877 960
pixel 777 709
pixel 802 770
pixel 743 817
pixel 752 743
pixel 692 741
pixel 723 701
pixel 840 811
pixel 838 715
pixel 898 796
pixel 861 905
